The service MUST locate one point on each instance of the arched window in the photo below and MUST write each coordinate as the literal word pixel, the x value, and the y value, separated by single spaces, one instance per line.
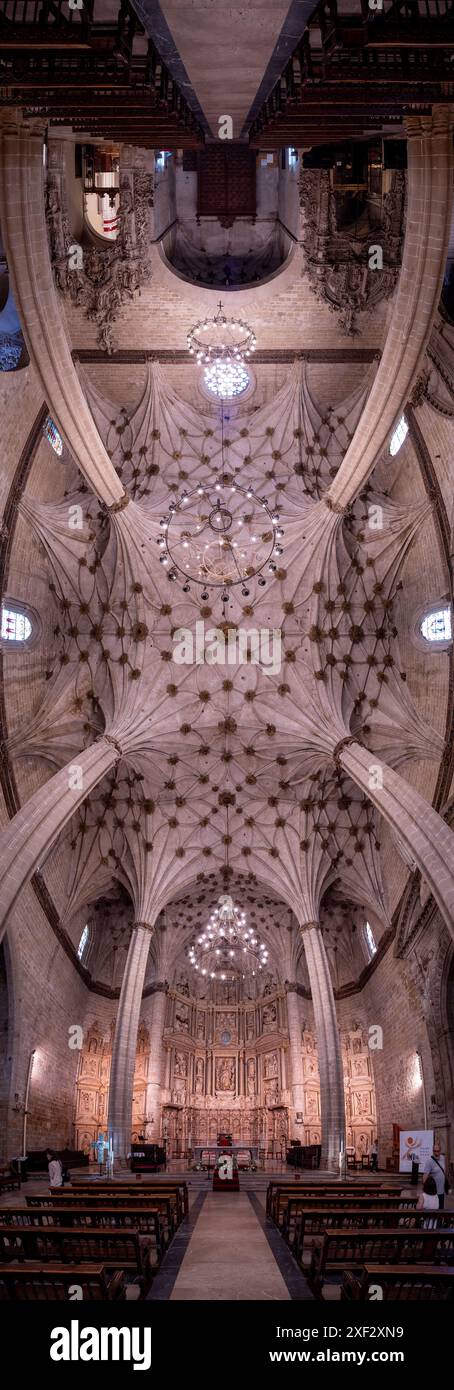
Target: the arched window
pixel 83 943
pixel 52 435
pixel 436 625
pixel 16 627
pixel 370 941
pixel 397 439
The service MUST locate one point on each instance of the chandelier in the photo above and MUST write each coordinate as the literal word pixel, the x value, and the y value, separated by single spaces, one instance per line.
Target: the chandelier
pixel 219 340
pixel 228 946
pixel 220 535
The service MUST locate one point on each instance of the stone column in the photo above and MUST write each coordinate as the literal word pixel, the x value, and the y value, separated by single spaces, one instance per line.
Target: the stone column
pixel 125 1040
pixel 24 233
pixel 156 1061
pixel 34 829
pixel 422 831
pixel 428 223
pixel 328 1045
pixel 296 1059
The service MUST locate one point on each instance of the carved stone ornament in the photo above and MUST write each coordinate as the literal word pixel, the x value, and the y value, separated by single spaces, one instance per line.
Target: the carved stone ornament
pixel 107 278
pixel 337 262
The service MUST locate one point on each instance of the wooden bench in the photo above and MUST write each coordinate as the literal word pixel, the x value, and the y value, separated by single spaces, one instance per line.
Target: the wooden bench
pixel 145 1187
pixel 340 1250
pixel 149 1222
pixel 311 1189
pixel 297 1207
pixel 124 1250
pixel 406 1218
pixel 283 1196
pixel 37 1282
pixel 405 1283
pixel 91 1202
pixel 9 1182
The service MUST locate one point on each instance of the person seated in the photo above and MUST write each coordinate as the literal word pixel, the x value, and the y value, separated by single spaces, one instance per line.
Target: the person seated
pixel 428 1199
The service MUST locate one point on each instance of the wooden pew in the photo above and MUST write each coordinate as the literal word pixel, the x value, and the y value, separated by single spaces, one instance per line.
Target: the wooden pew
pixel 133 1187
pixel 405 1218
pixel 283 1196
pixel 297 1207
pixel 9 1182
pixel 38 1282
pixel 340 1250
pixel 312 1189
pixel 124 1250
pixel 404 1282
pixel 149 1222
pixel 93 1209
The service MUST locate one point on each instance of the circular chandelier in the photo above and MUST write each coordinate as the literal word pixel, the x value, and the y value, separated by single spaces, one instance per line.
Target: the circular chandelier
pixel 221 340
pixel 220 534
pixel 227 946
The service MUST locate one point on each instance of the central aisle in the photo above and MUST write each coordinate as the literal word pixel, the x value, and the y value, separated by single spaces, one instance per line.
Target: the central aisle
pixel 228 1256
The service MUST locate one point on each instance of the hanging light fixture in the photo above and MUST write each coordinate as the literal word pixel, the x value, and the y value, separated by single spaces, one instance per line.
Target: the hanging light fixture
pixel 228 947
pixel 221 340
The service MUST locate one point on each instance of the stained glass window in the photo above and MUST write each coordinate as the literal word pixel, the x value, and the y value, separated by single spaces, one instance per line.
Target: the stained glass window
pixel 226 379
pixel 397 439
pixel 16 627
pixel 83 942
pixel 370 940
pixel 52 434
pixel 436 626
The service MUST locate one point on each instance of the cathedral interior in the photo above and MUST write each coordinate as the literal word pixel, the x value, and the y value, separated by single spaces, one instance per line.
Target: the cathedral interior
pixel 226 651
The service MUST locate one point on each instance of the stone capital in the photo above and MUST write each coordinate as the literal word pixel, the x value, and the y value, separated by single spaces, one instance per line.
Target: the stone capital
pixel 121 504
pixel 309 926
pixel 343 743
pixel 109 738
pixel 146 926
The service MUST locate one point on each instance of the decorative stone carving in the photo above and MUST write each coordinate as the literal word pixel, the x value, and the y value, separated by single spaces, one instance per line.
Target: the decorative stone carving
pixel 107 277
pixel 337 262
pixel 225 1074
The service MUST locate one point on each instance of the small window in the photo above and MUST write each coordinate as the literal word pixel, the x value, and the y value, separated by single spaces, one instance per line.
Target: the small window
pixel 83 943
pixel 53 436
pixel 397 439
pixel 16 627
pixel 370 941
pixel 436 626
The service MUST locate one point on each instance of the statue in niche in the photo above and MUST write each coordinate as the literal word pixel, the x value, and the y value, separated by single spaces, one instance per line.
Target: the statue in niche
pixel 251 1077
pixel 270 1069
pixel 85 1102
pixel 181 1064
pixel 250 1031
pixel 269 985
pixel 311 1107
pixel 199 1070
pixel 182 1018
pixel 183 986
pixel 269 1018
pixel 225 1075
pixel 271 1093
pixel 360 1066
pixel 362 1103
pixel 201 1027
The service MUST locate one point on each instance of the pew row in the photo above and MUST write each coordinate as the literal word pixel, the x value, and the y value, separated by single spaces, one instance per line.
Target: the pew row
pixel 340 1250
pixel 42 1283
pixel 403 1282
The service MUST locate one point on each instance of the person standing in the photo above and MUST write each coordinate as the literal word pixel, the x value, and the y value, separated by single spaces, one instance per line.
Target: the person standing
pixel 434 1169
pixel 55 1167
pixel 100 1145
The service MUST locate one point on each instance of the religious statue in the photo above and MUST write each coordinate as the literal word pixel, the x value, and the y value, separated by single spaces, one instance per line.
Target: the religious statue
pixel 251 1077
pixel 199 1076
pixel 225 1077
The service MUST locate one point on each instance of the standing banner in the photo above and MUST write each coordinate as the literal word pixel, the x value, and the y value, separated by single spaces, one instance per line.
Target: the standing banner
pixel 415 1147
